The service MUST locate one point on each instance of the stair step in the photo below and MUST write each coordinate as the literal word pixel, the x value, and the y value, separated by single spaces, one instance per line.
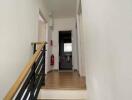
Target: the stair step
pixel 50 94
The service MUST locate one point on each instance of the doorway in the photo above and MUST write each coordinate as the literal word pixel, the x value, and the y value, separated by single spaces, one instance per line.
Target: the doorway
pixel 65 50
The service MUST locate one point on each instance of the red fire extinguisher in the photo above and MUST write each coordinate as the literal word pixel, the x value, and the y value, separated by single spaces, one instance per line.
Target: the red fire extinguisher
pixel 52 60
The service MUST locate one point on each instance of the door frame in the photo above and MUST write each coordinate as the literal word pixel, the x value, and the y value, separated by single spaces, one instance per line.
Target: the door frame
pixel 59 46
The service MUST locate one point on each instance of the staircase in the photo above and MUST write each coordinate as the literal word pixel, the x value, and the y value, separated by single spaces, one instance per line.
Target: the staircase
pixel 51 94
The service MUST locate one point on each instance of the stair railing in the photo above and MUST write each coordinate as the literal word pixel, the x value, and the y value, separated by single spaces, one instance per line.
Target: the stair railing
pixel 30 80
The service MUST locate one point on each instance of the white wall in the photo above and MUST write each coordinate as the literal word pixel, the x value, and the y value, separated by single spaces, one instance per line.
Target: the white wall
pixel 108 48
pixel 41 31
pixel 63 24
pixel 48 49
pixel 18 28
pixel 81 53
pixel 80 40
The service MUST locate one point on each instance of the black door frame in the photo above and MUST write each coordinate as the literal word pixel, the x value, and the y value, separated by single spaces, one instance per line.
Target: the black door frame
pixel 59 32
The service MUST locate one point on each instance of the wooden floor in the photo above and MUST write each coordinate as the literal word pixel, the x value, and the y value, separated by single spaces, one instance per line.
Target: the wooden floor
pixel 64 80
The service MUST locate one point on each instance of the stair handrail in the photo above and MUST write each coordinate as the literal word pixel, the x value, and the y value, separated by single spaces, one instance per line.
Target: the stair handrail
pixel 13 90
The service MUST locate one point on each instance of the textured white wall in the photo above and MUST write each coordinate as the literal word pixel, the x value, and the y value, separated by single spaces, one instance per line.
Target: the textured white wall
pixel 63 24
pixel 48 49
pixel 18 28
pixel 81 53
pixel 108 48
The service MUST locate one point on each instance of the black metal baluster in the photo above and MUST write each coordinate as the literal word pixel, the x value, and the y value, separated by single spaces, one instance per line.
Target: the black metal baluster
pixel 34 48
pixel 33 82
pixel 35 79
pixel 43 72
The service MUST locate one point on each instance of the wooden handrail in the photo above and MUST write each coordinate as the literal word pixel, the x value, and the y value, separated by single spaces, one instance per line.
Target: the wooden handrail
pixel 11 93
pixel 37 43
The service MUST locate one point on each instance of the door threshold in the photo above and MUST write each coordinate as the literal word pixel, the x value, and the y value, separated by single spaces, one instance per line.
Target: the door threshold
pixel 66 70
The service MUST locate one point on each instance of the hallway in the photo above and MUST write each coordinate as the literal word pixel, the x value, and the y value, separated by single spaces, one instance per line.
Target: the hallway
pixel 98 53
pixel 67 80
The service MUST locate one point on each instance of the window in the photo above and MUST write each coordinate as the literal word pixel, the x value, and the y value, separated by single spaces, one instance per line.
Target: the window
pixel 67 47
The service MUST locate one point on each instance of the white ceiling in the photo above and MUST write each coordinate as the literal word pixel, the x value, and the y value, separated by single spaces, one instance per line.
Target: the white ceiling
pixel 62 8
